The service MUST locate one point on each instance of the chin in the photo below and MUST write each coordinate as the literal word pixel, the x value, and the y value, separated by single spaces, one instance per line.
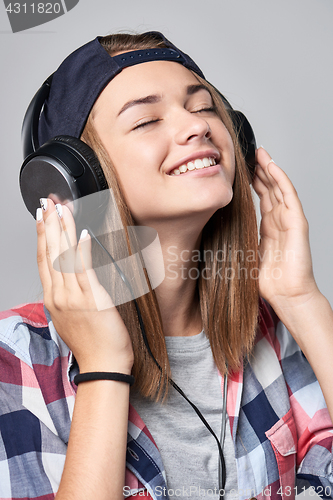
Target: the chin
pixel 213 200
pixel 203 212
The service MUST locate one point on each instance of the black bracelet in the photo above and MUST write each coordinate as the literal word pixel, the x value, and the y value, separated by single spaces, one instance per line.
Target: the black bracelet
pixel 119 377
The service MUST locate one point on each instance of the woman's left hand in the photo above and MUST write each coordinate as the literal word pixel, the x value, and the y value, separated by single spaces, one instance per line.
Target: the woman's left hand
pixel 286 275
pixel 286 278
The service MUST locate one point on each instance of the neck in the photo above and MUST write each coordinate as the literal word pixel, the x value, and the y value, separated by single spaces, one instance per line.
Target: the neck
pixel 177 295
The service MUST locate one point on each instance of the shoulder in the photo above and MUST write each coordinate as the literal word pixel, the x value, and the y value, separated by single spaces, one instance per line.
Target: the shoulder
pixel 27 335
pixel 34 364
pixel 18 326
pixel 37 401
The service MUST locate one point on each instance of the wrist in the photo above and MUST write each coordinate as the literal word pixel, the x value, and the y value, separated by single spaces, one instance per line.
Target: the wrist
pixel 111 365
pixel 110 376
pixel 303 317
pixel 294 305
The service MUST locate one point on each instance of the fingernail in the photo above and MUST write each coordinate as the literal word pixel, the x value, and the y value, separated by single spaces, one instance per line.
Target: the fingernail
pixel 43 203
pixel 39 214
pixel 58 208
pixel 262 147
pixel 84 233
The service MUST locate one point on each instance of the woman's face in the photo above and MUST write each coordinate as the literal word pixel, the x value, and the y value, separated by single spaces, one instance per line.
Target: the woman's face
pixel 155 120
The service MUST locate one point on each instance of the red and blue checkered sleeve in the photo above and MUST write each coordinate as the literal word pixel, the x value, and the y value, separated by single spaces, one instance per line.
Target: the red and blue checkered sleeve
pixel 314 427
pixel 35 412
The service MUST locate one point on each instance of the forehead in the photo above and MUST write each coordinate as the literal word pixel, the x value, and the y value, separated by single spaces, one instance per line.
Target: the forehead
pixel 154 77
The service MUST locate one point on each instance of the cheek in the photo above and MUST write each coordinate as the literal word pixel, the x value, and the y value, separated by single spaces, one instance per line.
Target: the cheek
pixel 233 169
pixel 230 145
pixel 129 156
pixel 130 161
pixel 227 153
pixel 221 136
pixel 136 169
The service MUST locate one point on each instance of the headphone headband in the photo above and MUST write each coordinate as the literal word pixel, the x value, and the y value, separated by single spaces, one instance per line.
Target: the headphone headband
pixel 30 142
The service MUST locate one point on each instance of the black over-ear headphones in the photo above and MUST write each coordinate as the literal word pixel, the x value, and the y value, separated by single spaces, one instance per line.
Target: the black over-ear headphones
pixel 64 166
pixel 69 169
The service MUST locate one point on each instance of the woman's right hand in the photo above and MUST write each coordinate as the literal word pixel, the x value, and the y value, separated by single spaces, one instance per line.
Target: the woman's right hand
pixel 87 321
pixel 81 310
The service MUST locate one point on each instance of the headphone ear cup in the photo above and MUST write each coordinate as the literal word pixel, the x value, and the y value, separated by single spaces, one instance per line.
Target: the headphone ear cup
pixel 86 153
pixel 64 167
pixel 246 139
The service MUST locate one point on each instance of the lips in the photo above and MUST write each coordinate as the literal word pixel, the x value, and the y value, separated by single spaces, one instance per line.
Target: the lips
pixel 194 165
pixel 196 161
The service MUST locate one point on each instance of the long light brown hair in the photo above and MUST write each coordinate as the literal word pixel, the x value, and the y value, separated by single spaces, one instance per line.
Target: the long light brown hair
pixel 227 286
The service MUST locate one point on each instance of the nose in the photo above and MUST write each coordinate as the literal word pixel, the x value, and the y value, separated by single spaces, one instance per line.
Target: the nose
pixel 191 126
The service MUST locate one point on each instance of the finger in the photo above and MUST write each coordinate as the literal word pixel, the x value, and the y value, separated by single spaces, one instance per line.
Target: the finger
pixel 262 157
pixel 67 248
pixel 263 162
pixel 289 193
pixel 86 275
pixel 263 193
pixel 274 185
pixel 83 260
pixel 42 264
pixel 278 178
pixel 52 235
pixel 268 180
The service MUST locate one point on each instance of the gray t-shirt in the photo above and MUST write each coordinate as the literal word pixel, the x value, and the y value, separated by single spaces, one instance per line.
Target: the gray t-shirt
pixel 189 451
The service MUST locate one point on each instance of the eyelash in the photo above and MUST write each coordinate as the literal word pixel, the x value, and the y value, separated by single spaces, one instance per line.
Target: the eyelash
pixel 140 125
pixel 144 124
pixel 211 109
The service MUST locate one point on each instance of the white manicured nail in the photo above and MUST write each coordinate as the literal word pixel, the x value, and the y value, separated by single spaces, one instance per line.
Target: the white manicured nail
pixel 84 233
pixel 58 208
pixel 43 203
pixel 39 214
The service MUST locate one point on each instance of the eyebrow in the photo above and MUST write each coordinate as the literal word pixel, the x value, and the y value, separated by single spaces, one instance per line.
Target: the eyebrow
pixel 154 98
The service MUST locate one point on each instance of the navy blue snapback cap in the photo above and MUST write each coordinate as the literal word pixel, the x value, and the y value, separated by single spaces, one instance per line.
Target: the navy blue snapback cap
pixel 82 76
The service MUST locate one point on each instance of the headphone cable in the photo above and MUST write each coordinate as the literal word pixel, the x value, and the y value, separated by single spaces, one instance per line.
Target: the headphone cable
pixel 220 443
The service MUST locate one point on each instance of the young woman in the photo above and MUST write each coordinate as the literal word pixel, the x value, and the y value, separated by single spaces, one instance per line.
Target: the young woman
pixel 172 160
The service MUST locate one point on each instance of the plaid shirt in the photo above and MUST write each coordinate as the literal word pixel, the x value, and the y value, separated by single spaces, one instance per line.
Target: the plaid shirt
pixel 279 422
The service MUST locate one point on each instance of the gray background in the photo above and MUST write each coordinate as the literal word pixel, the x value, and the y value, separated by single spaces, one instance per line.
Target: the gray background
pixel 272 60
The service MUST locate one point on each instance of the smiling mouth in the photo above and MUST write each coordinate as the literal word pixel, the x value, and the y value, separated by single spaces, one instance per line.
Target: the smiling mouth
pixel 194 165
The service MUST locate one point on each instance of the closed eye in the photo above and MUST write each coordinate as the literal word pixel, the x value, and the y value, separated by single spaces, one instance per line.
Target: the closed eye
pixel 144 124
pixel 211 109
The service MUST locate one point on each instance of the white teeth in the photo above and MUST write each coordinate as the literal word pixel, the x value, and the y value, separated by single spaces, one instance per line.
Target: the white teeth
pixel 199 164
pixel 194 165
